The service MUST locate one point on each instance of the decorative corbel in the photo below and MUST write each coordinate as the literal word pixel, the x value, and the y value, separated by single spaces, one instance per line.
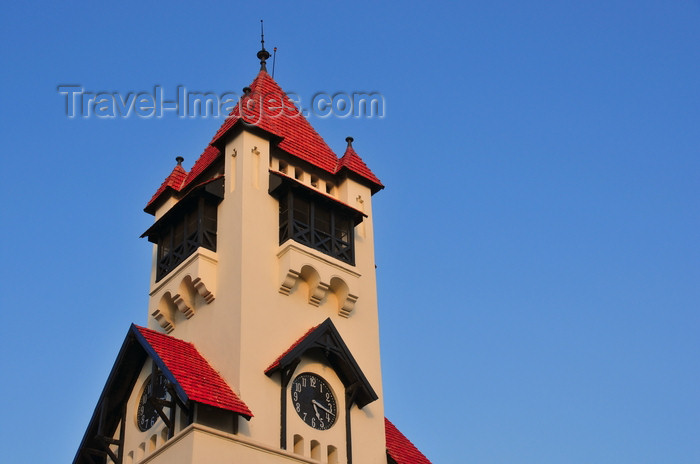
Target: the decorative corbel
pixel 289 281
pixel 202 290
pixel 317 294
pixel 163 320
pixel 182 306
pixel 347 306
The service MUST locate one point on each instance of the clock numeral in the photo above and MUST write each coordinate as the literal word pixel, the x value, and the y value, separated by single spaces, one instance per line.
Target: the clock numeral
pixel 313 400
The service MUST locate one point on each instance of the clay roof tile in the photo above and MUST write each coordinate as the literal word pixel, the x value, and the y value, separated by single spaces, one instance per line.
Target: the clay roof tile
pixel 200 382
pixel 174 181
pixel 352 161
pixel 269 108
pixel 400 448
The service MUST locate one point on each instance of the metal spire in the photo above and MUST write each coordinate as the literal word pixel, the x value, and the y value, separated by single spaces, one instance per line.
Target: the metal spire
pixel 263 54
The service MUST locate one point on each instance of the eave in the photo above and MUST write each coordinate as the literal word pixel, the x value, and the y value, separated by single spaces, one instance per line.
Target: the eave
pixel 326 339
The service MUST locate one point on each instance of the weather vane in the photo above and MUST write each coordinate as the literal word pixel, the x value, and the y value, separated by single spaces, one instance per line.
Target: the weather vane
pixel 263 54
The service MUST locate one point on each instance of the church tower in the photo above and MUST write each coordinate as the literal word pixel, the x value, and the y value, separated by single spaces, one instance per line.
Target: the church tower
pixel 262 341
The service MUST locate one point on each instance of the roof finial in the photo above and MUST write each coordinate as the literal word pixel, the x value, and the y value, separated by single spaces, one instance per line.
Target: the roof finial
pixel 349 140
pixel 263 54
pixel 179 160
pixel 274 58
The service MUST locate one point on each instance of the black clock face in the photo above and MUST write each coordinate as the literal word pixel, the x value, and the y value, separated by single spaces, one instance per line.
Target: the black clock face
pixel 313 400
pixel 146 414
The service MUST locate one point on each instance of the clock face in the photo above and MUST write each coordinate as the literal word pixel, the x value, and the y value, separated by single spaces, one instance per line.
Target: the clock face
pixel 146 415
pixel 313 400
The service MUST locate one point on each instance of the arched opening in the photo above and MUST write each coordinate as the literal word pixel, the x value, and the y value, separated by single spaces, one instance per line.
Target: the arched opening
pixel 187 291
pixel 311 283
pixel 152 442
pixel 298 445
pixel 165 312
pixel 186 298
pixel 332 454
pixel 164 435
pixel 315 450
pixel 340 290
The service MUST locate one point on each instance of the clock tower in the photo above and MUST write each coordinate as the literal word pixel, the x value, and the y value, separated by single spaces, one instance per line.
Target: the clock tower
pixel 262 339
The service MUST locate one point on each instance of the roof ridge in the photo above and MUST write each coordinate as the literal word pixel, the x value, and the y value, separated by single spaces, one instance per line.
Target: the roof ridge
pixel 174 180
pixel 353 162
pixel 400 448
pixel 276 362
pixel 268 107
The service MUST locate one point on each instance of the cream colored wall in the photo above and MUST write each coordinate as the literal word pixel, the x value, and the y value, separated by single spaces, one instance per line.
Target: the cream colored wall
pixel 335 436
pixel 138 444
pixel 249 323
pixel 204 445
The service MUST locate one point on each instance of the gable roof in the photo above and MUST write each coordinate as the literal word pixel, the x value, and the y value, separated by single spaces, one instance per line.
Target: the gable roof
pixel 399 448
pixel 189 371
pixel 267 107
pixel 279 361
pixel 353 163
pixel 326 339
pixel 172 183
pixel 191 375
pixel 205 160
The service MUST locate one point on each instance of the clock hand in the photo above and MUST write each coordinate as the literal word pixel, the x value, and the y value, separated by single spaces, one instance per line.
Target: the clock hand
pixel 318 415
pixel 316 403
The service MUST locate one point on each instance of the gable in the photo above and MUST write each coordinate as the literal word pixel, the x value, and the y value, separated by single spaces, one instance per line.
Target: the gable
pixel 267 108
pixel 326 339
pixel 191 376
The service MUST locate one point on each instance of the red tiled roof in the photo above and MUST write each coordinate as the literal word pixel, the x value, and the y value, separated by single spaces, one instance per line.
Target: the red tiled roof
pixel 180 179
pixel 204 161
pixel 352 161
pixel 268 107
pixel 276 362
pixel 173 181
pixel 400 448
pixel 200 382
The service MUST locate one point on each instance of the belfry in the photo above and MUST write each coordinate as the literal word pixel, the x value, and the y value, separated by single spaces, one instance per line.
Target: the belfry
pixel 262 338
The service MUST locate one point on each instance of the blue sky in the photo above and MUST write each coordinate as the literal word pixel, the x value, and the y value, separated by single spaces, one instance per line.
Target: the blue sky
pixel 537 242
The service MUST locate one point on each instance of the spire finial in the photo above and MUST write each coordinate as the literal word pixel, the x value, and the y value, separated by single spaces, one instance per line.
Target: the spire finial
pixel 179 160
pixel 349 140
pixel 274 58
pixel 263 54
